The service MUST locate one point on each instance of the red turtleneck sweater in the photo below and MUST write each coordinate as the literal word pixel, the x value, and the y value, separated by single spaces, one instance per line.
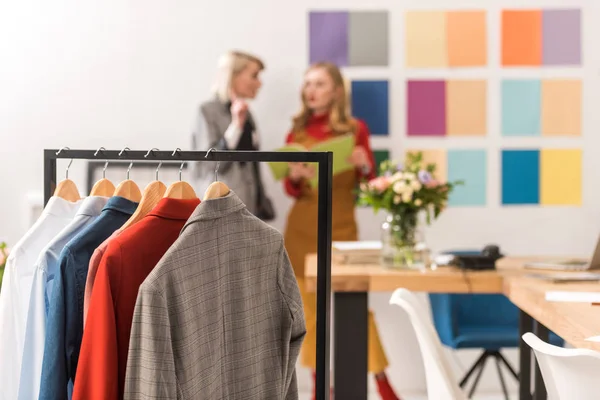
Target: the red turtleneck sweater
pixel 318 128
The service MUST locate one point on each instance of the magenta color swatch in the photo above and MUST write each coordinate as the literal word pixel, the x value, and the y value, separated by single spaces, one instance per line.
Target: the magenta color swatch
pixel 426 101
pixel 562 37
pixel 328 37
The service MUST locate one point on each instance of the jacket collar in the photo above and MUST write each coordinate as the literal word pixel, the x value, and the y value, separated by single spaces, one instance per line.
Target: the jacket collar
pixel 216 208
pixel 92 206
pixel 175 208
pixel 118 203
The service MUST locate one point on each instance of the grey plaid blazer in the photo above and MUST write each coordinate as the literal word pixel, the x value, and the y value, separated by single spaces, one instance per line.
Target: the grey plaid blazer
pixel 220 316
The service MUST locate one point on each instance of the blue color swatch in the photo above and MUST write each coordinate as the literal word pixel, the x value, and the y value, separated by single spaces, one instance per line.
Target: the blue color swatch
pixel 470 166
pixel 370 102
pixel 520 177
pixel 521 99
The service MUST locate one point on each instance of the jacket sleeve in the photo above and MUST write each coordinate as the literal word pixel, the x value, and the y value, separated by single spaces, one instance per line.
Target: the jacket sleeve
pixel 206 135
pixel 291 296
pixel 55 374
pixel 363 139
pixel 150 362
pixel 97 372
pixel 291 188
pixel 35 332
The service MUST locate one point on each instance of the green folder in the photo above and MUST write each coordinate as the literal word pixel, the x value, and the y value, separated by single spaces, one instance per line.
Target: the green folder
pixel 340 146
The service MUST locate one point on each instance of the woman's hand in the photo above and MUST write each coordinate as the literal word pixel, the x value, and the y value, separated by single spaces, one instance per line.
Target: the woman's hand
pixel 239 112
pixel 300 171
pixel 360 158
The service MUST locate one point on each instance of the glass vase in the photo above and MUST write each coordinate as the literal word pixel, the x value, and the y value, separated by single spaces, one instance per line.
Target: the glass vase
pixel 402 242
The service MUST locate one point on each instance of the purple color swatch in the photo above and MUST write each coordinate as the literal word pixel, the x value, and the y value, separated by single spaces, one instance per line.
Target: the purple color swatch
pixel 426 102
pixel 561 37
pixel 328 38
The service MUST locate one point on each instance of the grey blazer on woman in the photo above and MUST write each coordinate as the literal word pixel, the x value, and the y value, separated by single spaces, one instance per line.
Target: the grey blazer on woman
pixel 212 120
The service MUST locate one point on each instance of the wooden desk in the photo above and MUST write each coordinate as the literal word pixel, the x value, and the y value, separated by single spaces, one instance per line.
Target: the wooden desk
pixel 352 283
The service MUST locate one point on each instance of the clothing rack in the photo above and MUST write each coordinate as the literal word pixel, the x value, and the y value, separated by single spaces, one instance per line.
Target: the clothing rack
pixel 325 164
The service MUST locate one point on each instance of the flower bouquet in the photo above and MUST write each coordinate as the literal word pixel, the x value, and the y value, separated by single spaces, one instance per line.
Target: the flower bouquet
pixel 405 191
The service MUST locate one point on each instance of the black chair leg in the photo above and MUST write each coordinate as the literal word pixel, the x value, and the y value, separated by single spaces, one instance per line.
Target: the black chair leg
pixel 481 359
pixel 504 390
pixel 508 366
pixel 479 373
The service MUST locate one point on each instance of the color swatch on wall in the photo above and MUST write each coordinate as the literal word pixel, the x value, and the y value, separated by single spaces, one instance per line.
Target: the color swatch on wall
pixel 370 102
pixel 467 165
pixel 446 108
pixel 547 177
pixel 357 38
pixel 541 37
pixel 436 39
pixel 551 107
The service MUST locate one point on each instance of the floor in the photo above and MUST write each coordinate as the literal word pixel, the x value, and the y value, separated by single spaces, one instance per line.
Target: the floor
pixel 374 396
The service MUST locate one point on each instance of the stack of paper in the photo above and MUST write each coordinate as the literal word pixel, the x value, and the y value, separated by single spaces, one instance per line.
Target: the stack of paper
pixel 360 252
pixel 573 297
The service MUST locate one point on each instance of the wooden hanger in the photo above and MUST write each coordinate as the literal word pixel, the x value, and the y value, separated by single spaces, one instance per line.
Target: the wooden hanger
pixel 180 190
pixel 103 187
pixel 66 189
pixel 216 189
pixel 128 189
pixel 150 198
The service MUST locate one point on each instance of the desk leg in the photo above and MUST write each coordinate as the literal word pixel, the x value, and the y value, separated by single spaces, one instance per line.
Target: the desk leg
pixel 351 345
pixel 540 388
pixel 525 325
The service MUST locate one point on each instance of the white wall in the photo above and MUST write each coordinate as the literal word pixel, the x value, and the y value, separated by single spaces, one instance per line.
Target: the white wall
pixel 117 73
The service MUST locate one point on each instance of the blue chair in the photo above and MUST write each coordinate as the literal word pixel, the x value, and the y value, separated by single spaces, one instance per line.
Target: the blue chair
pixel 479 321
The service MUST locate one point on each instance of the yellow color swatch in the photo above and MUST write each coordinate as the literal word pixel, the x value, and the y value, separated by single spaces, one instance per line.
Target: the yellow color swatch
pixel 426 39
pixel 560 180
pixel 439 158
pixel 466 108
pixel 561 107
pixel 467 38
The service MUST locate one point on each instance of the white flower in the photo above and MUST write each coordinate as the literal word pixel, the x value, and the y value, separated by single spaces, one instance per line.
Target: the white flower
pixel 397 176
pixel 399 187
pixel 410 176
pixel 418 202
pixel 416 185
pixel 406 197
pixel 397 199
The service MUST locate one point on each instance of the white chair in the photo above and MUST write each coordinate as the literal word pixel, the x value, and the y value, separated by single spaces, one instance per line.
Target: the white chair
pixel 441 382
pixel 568 373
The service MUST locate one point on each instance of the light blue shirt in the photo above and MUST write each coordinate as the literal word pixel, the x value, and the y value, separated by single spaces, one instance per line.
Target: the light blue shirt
pixel 64 324
pixel 46 267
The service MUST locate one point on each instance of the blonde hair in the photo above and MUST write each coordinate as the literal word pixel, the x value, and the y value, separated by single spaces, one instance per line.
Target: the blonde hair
pixel 340 115
pixel 230 65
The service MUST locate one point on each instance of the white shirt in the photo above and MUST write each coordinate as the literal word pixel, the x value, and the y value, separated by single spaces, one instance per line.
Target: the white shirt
pixel 45 268
pixel 16 288
pixel 233 134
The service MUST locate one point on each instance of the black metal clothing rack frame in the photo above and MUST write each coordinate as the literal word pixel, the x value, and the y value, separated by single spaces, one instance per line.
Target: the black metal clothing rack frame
pixel 325 164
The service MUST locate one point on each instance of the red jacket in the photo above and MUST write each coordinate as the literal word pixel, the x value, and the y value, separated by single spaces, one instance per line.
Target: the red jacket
pixel 128 260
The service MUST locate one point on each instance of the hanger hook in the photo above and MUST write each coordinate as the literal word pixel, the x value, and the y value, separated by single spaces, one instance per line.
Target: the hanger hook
pixel 208 152
pixel 159 164
pixel 101 149
pixel 182 164
pixel 130 164
pixel 70 162
pixel 218 163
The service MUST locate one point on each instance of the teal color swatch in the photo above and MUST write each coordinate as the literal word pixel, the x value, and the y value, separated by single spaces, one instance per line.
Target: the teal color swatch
pixel 521 100
pixel 470 166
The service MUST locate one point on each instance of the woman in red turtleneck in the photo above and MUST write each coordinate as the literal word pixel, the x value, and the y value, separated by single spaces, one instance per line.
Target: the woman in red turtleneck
pixel 325 115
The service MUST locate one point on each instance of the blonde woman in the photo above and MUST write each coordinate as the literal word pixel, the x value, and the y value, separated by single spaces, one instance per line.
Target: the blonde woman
pixel 325 114
pixel 225 123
